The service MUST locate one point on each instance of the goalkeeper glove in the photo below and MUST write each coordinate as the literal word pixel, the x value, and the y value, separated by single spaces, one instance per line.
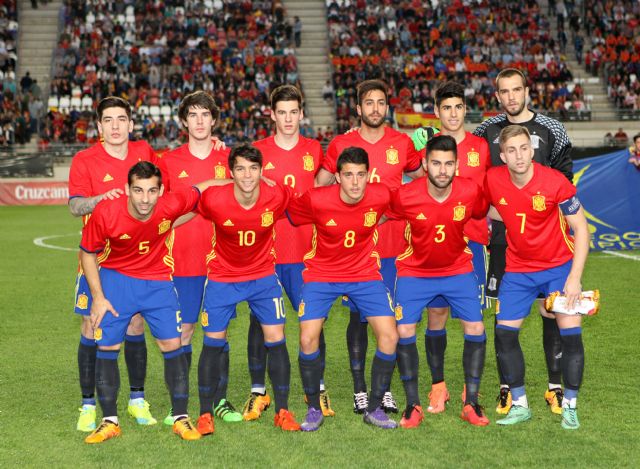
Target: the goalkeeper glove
pixel 422 135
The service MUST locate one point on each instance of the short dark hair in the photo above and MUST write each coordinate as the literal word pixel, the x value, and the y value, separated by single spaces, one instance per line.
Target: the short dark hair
pixel 198 99
pixel 285 93
pixel 508 73
pixel 449 89
pixel 636 137
pixel 353 155
pixel 144 170
pixel 112 101
pixel 246 151
pixel 368 86
pixel 442 143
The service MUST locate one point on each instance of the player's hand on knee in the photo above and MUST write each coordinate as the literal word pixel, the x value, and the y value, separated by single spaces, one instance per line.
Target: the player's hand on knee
pixel 100 307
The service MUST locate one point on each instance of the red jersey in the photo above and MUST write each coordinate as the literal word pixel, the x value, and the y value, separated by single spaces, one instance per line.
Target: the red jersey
pixel 474 160
pixel 180 169
pixel 139 249
pixel 295 168
pixel 344 235
pixel 537 233
pixel 435 241
pixel 390 157
pixel 242 247
pixel 94 171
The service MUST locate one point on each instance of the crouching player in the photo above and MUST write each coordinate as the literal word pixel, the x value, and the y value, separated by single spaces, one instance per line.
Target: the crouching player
pixel 536 204
pixel 241 267
pixel 130 239
pixel 343 261
pixel 437 261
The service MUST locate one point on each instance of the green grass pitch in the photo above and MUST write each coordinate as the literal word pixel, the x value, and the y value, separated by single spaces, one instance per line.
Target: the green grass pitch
pixel 39 391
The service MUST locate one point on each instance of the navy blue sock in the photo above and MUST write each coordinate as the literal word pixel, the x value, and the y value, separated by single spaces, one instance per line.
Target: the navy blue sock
pixel 176 376
pixel 572 359
pixel 357 343
pixel 381 372
pixel 256 353
pixel 223 368
pixel 475 348
pixel 107 381
pixel 510 355
pixel 87 369
pixel 408 368
pixel 435 343
pixel 188 352
pixel 279 367
pixel 208 372
pixel 310 371
pixel 135 355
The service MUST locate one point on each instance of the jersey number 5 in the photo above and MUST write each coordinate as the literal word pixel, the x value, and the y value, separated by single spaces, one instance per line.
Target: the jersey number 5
pixel 143 247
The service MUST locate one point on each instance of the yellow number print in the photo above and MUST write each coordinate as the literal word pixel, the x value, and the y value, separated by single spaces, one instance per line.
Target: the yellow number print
pixel 143 247
pixel 178 321
pixel 440 234
pixel 247 238
pixel 290 180
pixel 349 239
pixel 374 177
pixel 523 221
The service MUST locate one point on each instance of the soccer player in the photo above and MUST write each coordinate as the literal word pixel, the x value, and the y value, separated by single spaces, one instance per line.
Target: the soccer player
pixel 193 162
pixel 100 173
pixel 536 204
pixel 391 154
pixel 552 148
pixel 241 268
pixel 344 261
pixel 473 162
pixel 437 262
pixel 293 160
pixel 129 241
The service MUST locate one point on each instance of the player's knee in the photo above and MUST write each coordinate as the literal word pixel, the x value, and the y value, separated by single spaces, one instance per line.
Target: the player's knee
pixel 109 348
pixel 388 340
pixel 169 345
pixel 273 334
pixel 187 333
pixel 406 330
pixel 136 326
pixel 474 328
pixel 309 342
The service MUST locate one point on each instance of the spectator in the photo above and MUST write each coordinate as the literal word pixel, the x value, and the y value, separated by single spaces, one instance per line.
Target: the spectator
pixel 621 137
pixel 634 152
pixel 297 31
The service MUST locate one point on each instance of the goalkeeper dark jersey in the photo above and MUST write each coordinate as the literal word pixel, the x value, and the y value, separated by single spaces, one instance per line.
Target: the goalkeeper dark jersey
pixel 550 143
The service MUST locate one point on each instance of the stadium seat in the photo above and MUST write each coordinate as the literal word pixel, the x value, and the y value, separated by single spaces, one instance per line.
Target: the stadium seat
pixel 87 103
pixel 53 103
pixel 154 112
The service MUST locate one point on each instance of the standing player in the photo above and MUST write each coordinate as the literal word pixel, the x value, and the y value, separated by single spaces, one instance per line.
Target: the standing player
pixel 241 268
pixel 129 241
pixel 188 164
pixel 100 173
pixel 437 262
pixel 552 148
pixel 473 162
pixel 293 160
pixel 536 204
pixel 343 261
pixel 391 154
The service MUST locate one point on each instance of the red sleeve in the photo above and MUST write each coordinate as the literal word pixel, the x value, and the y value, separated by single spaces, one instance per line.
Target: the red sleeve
pixel 480 204
pixel 93 234
pixel 300 210
pixel 287 194
pixel 486 151
pixel 566 189
pixel 396 211
pixel 331 158
pixel 166 179
pixel 79 179
pixel 185 200
pixel 206 200
pixel 414 157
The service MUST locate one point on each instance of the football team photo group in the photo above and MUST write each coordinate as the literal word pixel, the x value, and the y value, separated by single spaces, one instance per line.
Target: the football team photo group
pixel 401 229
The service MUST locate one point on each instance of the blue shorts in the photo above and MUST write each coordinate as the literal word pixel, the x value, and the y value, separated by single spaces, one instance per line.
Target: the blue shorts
pixel 156 300
pixel 413 294
pixel 518 290
pixel 388 272
pixel 371 298
pixel 190 292
pixel 83 296
pixel 290 276
pixel 479 267
pixel 264 296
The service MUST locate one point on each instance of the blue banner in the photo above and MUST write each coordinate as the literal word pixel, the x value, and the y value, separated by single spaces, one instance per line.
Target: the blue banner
pixel 609 189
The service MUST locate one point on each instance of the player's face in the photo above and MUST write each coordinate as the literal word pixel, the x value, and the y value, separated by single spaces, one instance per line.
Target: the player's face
pixel 373 109
pixel 517 154
pixel 199 123
pixel 287 116
pixel 441 168
pixel 636 142
pixel 246 175
pixel 115 126
pixel 513 95
pixel 143 196
pixel 353 181
pixel 451 113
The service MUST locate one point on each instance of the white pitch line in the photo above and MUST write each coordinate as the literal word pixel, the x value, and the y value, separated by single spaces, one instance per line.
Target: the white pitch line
pixel 624 256
pixel 43 244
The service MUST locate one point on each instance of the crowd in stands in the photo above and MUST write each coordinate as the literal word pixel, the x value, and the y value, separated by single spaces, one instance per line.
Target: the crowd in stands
pixel 153 52
pixel 614 28
pixel 12 127
pixel 414 46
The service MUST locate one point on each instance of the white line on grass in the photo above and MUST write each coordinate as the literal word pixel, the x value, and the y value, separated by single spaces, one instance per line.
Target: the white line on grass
pixel 42 242
pixel 624 256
